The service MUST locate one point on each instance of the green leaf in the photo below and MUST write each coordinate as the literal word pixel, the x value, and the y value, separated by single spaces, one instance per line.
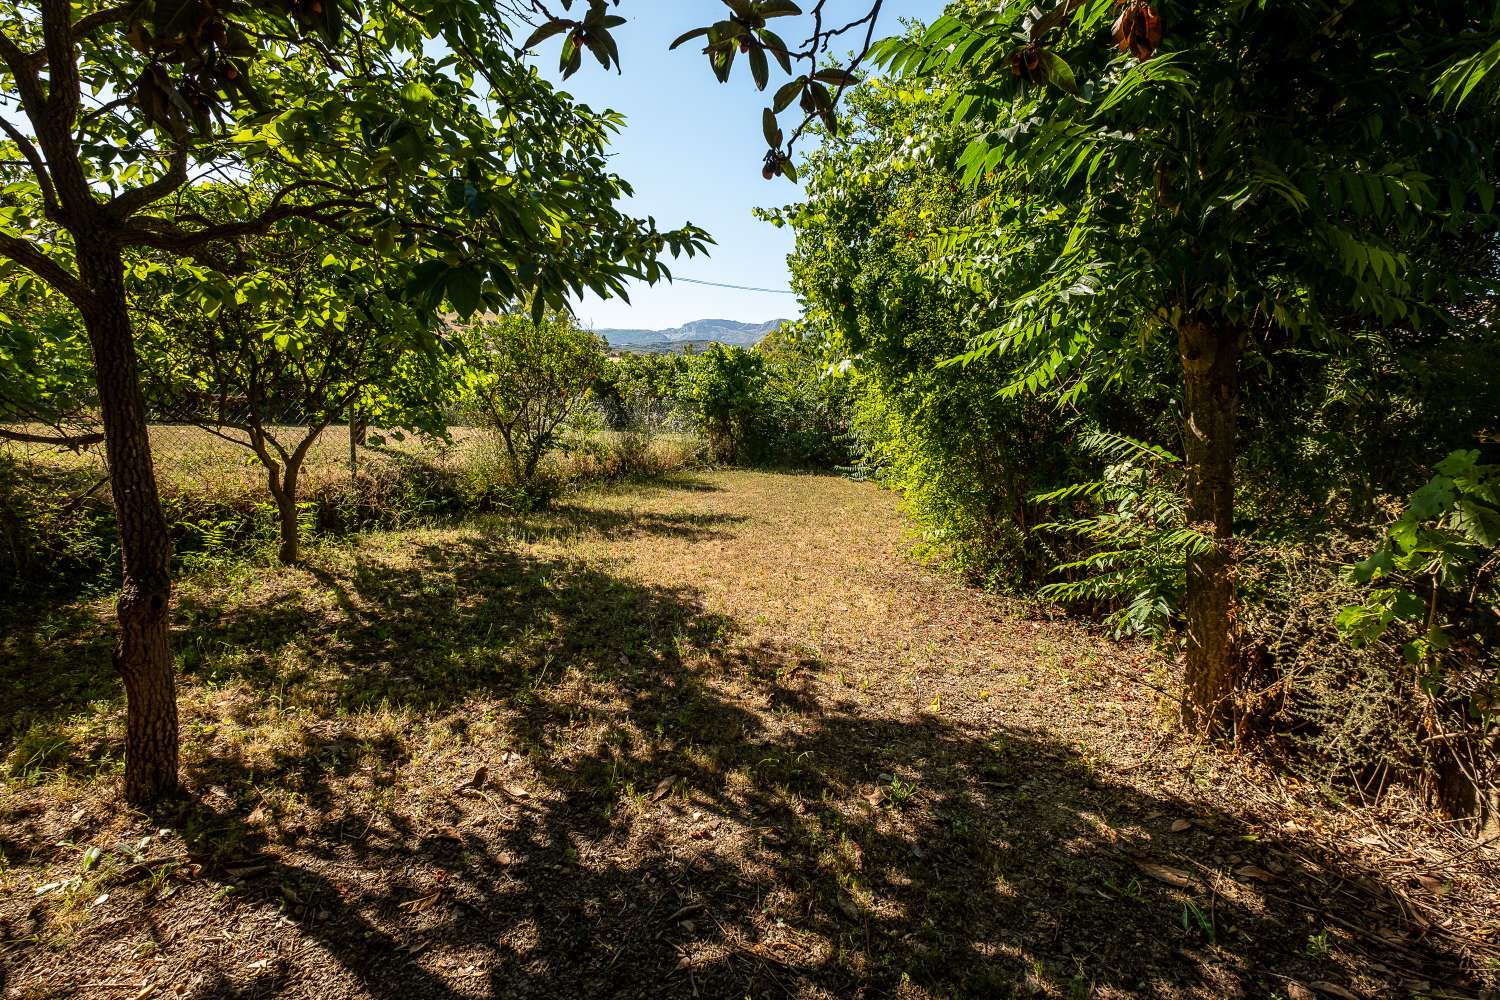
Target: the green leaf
pixel 464 288
pixel 770 128
pixel 777 48
pixel 1059 73
pixel 760 70
pixel 836 77
pixel 687 36
pixel 786 94
pixel 546 31
pixel 777 8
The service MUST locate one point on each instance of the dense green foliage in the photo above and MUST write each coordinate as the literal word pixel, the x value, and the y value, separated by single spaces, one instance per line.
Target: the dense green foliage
pixel 1256 240
pixel 525 381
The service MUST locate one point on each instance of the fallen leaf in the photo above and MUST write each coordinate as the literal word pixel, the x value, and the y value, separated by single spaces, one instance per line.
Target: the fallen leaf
pixel 1432 884
pixel 1182 824
pixel 1171 876
pixel 515 791
pixel 1296 991
pixel 257 815
pixel 663 787
pixel 849 907
pixel 1335 990
pixel 876 797
pixel 421 902
pixel 481 775
pixel 1252 872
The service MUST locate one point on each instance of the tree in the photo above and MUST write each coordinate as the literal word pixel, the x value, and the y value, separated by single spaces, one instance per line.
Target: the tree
pixel 1231 176
pixel 369 119
pixel 372 119
pixel 723 387
pixel 275 355
pixel 44 370
pixel 524 380
pixel 966 462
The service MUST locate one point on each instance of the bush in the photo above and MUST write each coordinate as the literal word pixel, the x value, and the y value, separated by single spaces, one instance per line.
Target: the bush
pixel 526 382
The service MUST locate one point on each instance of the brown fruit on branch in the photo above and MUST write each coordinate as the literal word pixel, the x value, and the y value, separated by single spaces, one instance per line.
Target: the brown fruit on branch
pixel 1138 30
pixel 1027 64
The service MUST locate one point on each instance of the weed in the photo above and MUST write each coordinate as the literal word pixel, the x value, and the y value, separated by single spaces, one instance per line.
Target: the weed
pixel 1193 918
pixel 900 792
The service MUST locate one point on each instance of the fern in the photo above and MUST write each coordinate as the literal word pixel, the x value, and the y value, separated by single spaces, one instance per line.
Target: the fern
pixel 1136 539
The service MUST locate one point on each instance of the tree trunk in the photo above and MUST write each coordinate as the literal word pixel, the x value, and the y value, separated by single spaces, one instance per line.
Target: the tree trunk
pixel 354 443
pixel 284 489
pixel 142 654
pixel 1210 361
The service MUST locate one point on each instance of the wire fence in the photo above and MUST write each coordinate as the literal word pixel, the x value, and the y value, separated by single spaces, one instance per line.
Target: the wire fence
pixel 194 453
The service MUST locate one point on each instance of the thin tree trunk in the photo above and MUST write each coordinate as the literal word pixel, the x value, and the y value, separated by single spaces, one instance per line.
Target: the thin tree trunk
pixel 355 440
pixel 283 487
pixel 142 654
pixel 291 539
pixel 1210 356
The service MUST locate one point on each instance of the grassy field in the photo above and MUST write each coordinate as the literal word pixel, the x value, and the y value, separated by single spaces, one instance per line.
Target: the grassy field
pixel 189 458
pixel 715 737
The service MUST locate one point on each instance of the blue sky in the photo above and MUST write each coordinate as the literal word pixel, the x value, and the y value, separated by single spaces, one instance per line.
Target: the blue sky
pixel 692 148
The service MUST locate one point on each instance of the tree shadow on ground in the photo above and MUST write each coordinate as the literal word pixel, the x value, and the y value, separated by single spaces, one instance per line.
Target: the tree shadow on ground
pixel 671 809
pixel 55 658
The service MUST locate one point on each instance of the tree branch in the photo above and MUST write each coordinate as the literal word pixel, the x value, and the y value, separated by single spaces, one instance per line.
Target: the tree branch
pixel 99 18
pixel 76 442
pixel 38 167
pixel 62 71
pixel 163 234
pixel 127 203
pixel 44 267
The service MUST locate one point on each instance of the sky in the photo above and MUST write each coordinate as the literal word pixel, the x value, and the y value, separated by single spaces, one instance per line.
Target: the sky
pixel 692 149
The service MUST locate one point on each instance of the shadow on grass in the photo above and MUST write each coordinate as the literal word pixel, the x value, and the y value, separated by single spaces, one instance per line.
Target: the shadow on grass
pixel 672 810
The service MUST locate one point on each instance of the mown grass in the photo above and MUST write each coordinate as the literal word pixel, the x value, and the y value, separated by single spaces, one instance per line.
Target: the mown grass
pixel 733 743
pixel 57 526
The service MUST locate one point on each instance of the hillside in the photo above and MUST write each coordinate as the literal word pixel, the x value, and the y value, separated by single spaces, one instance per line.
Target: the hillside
pixel 706 331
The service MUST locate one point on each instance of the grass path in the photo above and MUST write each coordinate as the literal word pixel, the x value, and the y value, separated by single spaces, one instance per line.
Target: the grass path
pixel 718 737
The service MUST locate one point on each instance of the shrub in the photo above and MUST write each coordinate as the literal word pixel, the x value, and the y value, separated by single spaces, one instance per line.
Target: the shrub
pixel 526 382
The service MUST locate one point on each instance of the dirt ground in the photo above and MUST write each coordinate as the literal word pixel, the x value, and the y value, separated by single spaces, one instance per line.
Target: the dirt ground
pixel 717 737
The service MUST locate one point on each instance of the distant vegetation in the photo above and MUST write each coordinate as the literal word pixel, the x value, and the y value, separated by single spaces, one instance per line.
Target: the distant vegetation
pixel 697 335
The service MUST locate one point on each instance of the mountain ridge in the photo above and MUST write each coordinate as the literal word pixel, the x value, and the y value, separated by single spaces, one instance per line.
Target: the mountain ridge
pixel 722 331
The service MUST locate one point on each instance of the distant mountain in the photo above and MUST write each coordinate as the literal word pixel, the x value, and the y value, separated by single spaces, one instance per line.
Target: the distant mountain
pixel 718 331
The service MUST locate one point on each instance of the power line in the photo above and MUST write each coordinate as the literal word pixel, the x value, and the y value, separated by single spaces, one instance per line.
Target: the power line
pixel 743 288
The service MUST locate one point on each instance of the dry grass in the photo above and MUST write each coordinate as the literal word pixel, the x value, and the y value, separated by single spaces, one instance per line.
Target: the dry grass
pixel 729 741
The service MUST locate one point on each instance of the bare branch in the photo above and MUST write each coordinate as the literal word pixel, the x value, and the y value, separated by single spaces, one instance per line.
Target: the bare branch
pixel 76 442
pixel 165 234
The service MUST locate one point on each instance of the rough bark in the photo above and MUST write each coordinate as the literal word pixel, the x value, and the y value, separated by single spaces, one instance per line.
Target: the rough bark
pixel 1210 355
pixel 142 654
pixel 283 486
